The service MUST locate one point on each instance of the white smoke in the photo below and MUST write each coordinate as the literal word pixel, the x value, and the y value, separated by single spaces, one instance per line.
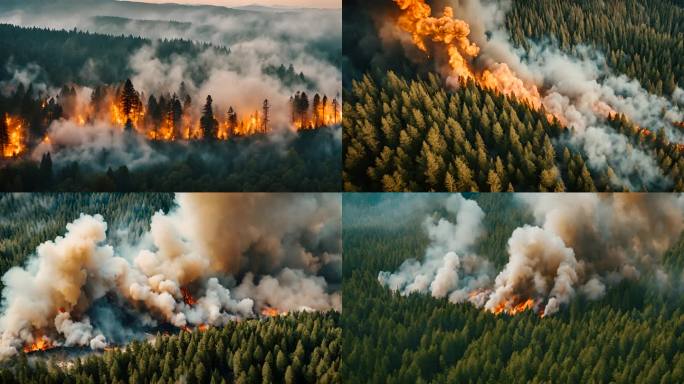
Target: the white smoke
pixel 448 267
pixel 285 250
pixel 579 244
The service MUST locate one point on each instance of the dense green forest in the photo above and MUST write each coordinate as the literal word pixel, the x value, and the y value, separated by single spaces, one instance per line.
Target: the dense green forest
pixel 643 39
pixel 632 335
pixel 405 130
pixel 297 348
pixel 66 57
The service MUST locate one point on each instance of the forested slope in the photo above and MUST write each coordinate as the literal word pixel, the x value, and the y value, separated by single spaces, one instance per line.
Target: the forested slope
pixel 468 139
pixel 639 39
pixel 632 335
pixel 57 57
pixel 643 39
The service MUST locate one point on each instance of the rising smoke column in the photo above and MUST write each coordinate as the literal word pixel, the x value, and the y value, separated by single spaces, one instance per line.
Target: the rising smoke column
pixel 213 259
pixel 578 244
pixel 449 266
pixel 585 242
pixel 581 93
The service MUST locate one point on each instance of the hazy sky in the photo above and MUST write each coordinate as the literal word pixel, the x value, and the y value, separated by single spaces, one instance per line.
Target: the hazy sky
pixel 232 3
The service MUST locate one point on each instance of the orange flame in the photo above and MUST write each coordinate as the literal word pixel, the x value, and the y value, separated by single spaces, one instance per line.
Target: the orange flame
pixel 187 297
pixel 453 33
pixel 271 312
pixel 16 136
pixel 41 343
pixel 202 327
pixel 513 306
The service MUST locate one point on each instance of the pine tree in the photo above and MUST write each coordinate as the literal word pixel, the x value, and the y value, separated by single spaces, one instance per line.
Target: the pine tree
pixel 208 124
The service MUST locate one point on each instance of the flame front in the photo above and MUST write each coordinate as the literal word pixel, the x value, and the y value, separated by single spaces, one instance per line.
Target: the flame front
pixel 271 312
pixel 41 343
pixel 513 306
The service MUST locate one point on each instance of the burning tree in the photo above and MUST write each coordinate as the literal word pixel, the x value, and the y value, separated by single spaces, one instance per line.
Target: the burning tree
pixel 4 135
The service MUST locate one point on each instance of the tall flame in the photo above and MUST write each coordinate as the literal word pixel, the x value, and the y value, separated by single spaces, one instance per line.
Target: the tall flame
pixel 16 135
pixel 453 33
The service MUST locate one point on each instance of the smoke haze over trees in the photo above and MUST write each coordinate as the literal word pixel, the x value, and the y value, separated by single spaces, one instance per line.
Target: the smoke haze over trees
pixel 610 95
pixel 629 335
pixel 171 59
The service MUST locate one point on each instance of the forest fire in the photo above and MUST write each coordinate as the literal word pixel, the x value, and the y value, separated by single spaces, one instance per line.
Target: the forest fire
pixel 12 136
pixel 41 343
pixel 172 117
pixel 513 306
pixel 187 297
pixel 271 312
pixel 453 33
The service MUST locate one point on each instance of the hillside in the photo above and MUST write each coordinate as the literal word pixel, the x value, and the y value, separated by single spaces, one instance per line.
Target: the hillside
pixel 612 96
pixel 631 335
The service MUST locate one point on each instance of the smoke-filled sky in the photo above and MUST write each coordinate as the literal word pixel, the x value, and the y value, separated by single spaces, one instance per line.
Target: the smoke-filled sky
pixel 269 3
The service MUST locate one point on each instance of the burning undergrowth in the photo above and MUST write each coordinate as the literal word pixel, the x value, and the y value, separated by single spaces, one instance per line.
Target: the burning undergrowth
pixel 579 244
pixel 213 259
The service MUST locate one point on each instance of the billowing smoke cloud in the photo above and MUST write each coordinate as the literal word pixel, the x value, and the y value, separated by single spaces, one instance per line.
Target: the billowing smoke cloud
pixel 579 244
pixel 213 259
pixel 449 267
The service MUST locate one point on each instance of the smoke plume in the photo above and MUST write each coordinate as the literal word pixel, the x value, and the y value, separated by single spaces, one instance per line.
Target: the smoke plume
pixel 212 259
pixel 578 244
